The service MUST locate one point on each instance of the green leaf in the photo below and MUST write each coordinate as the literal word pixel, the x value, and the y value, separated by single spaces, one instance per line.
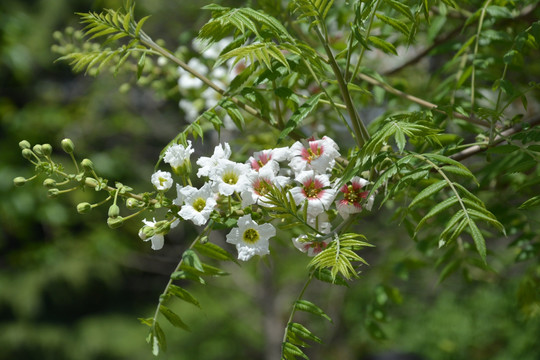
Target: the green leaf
pixel 173 318
pixel 140 65
pixel 479 240
pixel 214 251
pixel 534 201
pixel 191 258
pixel 429 191
pixel 396 24
pixel 183 294
pixel 503 149
pixel 437 209
pixel 140 25
pixel 383 45
pixel 326 276
pixel 307 306
pixel 290 351
pixel 303 332
pixel 299 115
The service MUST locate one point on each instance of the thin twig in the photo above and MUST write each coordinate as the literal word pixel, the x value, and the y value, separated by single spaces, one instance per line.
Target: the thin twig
pixel 473 150
pixel 419 101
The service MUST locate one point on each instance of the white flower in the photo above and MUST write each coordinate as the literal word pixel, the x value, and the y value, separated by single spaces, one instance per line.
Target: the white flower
pixel 156 239
pixel 268 158
pixel 260 184
pixel 179 196
pixel 312 248
pixel 316 190
pixel 198 204
pixel 188 80
pixel 230 177
pixel 354 197
pixel 319 155
pixel 250 238
pixel 208 164
pixel 177 155
pixel 162 180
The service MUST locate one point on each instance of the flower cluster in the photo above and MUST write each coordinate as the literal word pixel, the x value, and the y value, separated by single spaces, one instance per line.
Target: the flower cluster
pixel 304 172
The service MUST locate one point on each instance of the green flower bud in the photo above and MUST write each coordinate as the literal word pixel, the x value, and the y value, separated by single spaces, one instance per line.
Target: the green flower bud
pixel 46 149
pixel 132 203
pixel 52 193
pixel 84 208
pixel 38 150
pixel 19 181
pixel 27 154
pixel 115 222
pixel 91 182
pixel 147 232
pixel 87 164
pixel 114 211
pixel 24 145
pixel 67 146
pixel 49 183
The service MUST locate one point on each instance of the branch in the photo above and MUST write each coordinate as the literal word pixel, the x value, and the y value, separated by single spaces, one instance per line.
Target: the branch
pixel 473 150
pixel 419 101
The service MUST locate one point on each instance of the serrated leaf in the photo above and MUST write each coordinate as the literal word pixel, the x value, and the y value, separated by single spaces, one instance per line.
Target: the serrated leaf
pixel 183 294
pixel 395 23
pixel 326 276
pixel 429 191
pixel 191 258
pixel 303 332
pixel 437 209
pixel 173 318
pixel 140 65
pixel 140 25
pixel 479 240
pixel 214 251
pixel 383 45
pixel 292 350
pixel 534 201
pixel 308 306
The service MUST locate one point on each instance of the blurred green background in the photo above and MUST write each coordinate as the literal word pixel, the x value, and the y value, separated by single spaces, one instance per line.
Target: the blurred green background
pixel 71 288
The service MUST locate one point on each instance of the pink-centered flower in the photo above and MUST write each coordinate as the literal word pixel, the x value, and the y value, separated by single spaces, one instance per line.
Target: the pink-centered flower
pixel 316 190
pixel 268 158
pixel 318 155
pixel 260 184
pixel 354 197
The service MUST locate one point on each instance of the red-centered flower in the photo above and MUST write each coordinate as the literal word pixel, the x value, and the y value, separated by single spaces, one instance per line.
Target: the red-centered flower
pixel 353 197
pixel 316 190
pixel 318 155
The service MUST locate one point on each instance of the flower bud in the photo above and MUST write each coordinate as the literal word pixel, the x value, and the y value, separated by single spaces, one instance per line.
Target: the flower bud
pixel 147 232
pixel 46 149
pixel 132 203
pixel 24 145
pixel 49 183
pixel 91 182
pixel 27 154
pixel 84 208
pixel 38 150
pixel 19 181
pixel 67 146
pixel 114 211
pixel 87 164
pixel 115 222
pixel 52 193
